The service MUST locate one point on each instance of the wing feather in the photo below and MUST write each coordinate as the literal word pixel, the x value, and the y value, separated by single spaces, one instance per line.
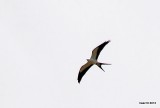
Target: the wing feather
pixel 83 70
pixel 98 49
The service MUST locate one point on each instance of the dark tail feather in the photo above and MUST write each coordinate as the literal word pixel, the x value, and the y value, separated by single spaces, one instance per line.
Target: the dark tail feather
pixel 100 65
pixel 105 64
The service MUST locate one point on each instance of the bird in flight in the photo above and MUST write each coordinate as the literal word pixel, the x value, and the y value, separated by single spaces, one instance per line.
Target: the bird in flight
pixel 92 61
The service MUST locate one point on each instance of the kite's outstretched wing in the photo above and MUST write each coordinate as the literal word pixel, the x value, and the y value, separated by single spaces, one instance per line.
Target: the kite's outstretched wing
pixel 98 49
pixel 83 70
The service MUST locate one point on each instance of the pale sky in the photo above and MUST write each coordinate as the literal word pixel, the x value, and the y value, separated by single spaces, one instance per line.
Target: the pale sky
pixel 43 44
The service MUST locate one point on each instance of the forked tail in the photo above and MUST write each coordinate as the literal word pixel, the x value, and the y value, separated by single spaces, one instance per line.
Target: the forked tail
pixel 100 65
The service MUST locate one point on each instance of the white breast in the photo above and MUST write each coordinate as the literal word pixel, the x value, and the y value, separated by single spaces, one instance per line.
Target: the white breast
pixel 93 61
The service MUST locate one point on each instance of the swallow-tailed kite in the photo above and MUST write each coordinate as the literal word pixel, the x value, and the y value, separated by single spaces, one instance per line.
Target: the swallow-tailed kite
pixel 92 61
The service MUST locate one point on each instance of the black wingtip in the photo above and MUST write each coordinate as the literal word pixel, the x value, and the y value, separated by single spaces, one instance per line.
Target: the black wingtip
pixel 108 41
pixel 78 81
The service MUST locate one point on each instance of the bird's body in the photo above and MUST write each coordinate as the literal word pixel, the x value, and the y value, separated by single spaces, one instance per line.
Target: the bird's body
pixel 92 61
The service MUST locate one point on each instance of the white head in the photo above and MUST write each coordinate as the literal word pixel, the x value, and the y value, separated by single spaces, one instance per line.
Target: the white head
pixel 87 59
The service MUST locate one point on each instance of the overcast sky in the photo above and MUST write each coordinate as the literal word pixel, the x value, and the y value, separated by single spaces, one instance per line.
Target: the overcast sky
pixel 43 44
